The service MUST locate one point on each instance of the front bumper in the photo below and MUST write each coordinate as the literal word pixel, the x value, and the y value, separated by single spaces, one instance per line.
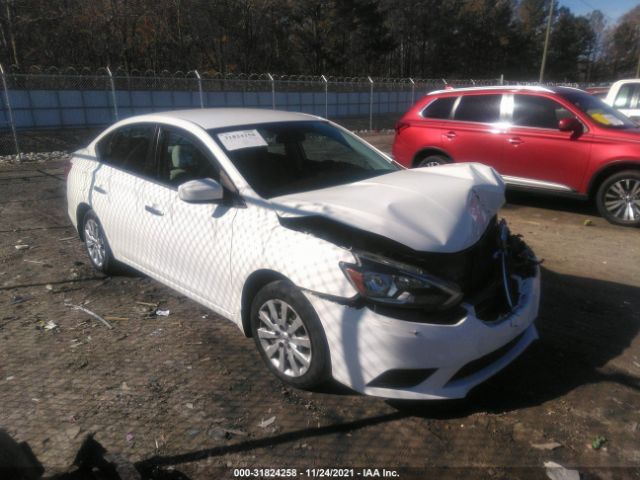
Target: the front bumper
pixel 364 345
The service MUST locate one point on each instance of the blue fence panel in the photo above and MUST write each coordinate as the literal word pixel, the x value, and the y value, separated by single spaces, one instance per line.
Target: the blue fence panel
pixel 61 108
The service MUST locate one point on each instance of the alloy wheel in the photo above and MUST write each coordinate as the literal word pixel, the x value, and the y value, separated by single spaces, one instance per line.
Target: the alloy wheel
pixel 284 338
pixel 622 199
pixel 95 242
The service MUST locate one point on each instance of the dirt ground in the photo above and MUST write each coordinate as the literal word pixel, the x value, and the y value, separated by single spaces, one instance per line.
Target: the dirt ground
pixel 186 395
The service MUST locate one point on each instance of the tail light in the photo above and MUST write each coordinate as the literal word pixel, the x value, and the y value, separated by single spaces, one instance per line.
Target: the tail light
pixel 67 169
pixel 400 126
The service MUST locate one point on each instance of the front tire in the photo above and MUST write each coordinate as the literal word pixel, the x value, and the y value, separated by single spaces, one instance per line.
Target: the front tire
pixel 618 198
pixel 432 161
pixel 289 335
pixel 96 244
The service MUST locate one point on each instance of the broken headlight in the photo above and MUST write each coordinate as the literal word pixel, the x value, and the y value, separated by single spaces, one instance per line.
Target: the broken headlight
pixel 382 280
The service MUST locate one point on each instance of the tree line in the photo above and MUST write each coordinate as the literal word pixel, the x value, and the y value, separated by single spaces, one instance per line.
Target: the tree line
pixel 390 38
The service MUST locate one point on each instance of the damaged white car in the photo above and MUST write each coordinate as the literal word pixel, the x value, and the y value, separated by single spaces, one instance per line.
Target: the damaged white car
pixel 336 260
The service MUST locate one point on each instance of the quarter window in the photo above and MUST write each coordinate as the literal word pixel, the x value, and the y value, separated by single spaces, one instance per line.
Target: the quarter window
pixel 439 108
pixel 127 148
pixel 479 108
pixel 538 112
pixel 181 159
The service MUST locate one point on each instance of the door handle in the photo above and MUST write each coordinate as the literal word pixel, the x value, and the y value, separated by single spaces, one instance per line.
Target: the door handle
pixel 153 210
pixel 515 141
pixel 450 135
pixel 99 189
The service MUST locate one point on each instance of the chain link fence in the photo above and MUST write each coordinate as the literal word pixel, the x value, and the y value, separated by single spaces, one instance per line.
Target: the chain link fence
pixel 62 109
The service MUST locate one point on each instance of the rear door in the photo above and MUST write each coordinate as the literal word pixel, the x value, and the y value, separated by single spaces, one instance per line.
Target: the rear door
pixel 475 132
pixel 124 161
pixel 537 154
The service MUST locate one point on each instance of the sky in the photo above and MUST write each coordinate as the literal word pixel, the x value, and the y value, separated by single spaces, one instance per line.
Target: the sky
pixel 613 9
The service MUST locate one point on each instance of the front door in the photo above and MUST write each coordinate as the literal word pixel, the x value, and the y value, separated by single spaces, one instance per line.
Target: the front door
pixel 536 153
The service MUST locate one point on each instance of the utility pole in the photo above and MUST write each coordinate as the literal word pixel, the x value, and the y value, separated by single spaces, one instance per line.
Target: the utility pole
pixel 638 67
pixel 546 42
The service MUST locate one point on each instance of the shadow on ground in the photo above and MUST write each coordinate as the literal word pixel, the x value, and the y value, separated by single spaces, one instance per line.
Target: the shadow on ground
pixel 583 324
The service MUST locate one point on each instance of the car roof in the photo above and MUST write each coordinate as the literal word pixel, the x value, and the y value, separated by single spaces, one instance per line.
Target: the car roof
pixel 210 118
pixel 493 89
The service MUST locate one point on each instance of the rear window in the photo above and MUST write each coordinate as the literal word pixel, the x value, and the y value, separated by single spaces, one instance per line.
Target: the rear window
pixel 627 96
pixel 479 108
pixel 439 108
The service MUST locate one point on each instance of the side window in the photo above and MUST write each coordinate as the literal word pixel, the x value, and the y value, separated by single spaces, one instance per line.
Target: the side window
pixel 127 148
pixel 538 112
pixel 625 96
pixel 181 159
pixel 479 108
pixel 439 108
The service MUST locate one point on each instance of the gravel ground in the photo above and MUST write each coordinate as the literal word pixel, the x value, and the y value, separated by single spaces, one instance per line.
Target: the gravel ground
pixel 186 396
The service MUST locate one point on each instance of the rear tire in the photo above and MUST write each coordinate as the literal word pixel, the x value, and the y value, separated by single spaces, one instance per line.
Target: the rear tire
pixel 432 161
pixel 97 246
pixel 618 198
pixel 289 335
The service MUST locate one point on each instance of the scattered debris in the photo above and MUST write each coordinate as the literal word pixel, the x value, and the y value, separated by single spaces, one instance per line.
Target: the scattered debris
pixel 9 378
pixel 67 238
pixel 546 446
pixel 267 422
pixel 34 261
pixel 49 287
pixel 15 300
pixel 124 387
pixel 50 325
pixel 224 433
pixel 189 405
pixel 93 314
pixel 154 305
pixel 555 471
pixel 129 437
pixel 21 247
pixel 598 442
pixel 588 223
pixel 193 432
pixel 162 313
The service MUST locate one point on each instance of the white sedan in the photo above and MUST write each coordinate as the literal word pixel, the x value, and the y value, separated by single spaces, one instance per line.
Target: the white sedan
pixel 336 260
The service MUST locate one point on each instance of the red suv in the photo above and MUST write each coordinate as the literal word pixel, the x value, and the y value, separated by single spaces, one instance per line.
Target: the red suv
pixel 558 140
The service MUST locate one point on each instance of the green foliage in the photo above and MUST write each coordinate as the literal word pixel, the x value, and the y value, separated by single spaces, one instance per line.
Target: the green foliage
pixel 418 38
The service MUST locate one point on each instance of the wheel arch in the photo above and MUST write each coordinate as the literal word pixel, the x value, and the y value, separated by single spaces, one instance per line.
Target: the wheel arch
pixel 81 211
pixel 608 170
pixel 252 286
pixel 426 151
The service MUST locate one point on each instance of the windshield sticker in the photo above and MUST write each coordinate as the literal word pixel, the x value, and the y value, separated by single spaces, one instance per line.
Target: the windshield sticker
pixel 241 139
pixel 612 119
pixel 599 117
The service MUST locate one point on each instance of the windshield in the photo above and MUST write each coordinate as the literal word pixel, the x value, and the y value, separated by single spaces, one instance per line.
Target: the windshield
pixel 291 157
pixel 599 111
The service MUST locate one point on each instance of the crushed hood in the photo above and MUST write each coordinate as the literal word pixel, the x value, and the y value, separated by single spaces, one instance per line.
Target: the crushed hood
pixel 441 209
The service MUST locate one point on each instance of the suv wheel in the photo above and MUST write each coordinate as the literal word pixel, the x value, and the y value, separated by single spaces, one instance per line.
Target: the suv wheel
pixel 289 336
pixel 96 244
pixel 432 161
pixel 618 198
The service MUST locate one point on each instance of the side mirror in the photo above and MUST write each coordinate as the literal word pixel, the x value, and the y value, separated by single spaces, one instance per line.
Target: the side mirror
pixel 201 190
pixel 570 124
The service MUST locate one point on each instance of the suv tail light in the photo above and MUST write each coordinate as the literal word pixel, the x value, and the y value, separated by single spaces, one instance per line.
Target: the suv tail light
pixel 400 126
